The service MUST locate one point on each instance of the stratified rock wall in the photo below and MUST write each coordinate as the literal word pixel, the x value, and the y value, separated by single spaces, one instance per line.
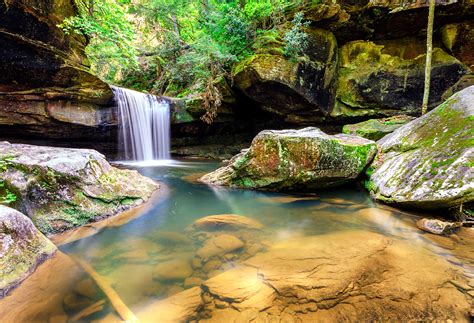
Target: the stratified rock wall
pixel 46 88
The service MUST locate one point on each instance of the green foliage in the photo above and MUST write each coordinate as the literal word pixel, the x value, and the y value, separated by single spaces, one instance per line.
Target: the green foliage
pixel 296 39
pixel 111 34
pixel 6 196
pixel 180 47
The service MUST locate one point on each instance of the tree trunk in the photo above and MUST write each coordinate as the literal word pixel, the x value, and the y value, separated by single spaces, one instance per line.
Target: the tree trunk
pixel 429 53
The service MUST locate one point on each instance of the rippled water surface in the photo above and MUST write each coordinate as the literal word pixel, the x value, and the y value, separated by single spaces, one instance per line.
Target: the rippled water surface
pixel 159 253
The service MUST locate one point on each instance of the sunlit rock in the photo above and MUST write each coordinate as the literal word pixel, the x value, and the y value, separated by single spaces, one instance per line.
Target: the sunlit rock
pixel 296 160
pixel 62 188
pixel 22 248
pixel 226 222
pixel 219 245
pixel 173 270
pixel 347 275
pixel 428 163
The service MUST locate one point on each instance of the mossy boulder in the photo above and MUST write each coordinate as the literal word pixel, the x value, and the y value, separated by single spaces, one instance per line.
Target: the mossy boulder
pixel 22 248
pixel 299 90
pixel 428 163
pixel 61 188
pixel 388 79
pixel 296 160
pixel 375 129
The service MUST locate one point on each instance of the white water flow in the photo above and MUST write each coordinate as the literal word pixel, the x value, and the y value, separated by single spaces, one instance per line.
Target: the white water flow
pixel 144 125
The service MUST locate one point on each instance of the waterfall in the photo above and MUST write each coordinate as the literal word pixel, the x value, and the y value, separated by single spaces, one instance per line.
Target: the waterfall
pixel 144 125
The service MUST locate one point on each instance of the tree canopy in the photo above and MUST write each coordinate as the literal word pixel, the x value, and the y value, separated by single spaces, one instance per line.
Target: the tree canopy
pixel 176 47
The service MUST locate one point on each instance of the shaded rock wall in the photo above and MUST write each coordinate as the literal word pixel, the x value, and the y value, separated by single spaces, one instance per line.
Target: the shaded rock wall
pixel 46 88
pixel 365 60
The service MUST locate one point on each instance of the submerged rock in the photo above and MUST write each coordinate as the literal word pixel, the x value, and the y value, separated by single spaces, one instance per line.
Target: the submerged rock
pixel 375 129
pixel 61 188
pixel 437 226
pixel 227 222
pixel 296 160
pixel 428 163
pixel 219 245
pixel 23 248
pixel 326 278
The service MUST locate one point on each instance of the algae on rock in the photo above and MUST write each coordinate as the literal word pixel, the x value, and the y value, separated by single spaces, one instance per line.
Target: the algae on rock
pixel 428 163
pixel 62 188
pixel 22 248
pixel 296 160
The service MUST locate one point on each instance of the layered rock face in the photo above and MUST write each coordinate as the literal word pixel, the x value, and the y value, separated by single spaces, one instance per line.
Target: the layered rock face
pixel 297 160
pixel 23 247
pixel 428 163
pixel 46 89
pixel 365 60
pixel 61 188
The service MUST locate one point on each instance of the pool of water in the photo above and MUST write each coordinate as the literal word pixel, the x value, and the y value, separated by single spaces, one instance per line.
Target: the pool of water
pixel 159 253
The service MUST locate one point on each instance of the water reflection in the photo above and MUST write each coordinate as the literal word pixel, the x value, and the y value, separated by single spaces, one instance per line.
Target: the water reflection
pixel 162 253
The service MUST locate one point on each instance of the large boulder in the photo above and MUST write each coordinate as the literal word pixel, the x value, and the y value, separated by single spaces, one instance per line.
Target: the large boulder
pixel 60 188
pixel 22 248
pixel 428 163
pixel 296 160
pixel 375 129
pixel 388 79
pixel 46 88
pixel 298 90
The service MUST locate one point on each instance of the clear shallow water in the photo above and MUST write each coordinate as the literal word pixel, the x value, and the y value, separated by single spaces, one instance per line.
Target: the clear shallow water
pixel 155 255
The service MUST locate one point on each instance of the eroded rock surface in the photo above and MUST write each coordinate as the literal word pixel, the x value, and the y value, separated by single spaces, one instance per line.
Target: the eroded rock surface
pixel 349 275
pixel 427 163
pixel 296 159
pixel 62 188
pixel 23 248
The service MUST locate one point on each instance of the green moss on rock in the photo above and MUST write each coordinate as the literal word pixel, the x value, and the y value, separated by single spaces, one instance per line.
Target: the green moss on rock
pixel 60 189
pixel 425 163
pixel 296 160
pixel 22 248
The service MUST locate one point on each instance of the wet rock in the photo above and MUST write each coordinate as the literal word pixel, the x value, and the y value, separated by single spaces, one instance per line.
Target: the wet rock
pixel 381 80
pixel 220 245
pixel 427 163
pixel 22 248
pixel 327 278
pixel 178 308
pixel 62 188
pixel 87 288
pixel 375 129
pixel 192 281
pixel 211 265
pixel 173 270
pixel 437 226
pixel 303 159
pixel 227 222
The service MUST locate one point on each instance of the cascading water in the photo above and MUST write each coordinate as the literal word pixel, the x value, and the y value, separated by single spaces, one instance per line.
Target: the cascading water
pixel 144 125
